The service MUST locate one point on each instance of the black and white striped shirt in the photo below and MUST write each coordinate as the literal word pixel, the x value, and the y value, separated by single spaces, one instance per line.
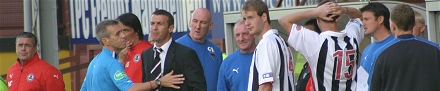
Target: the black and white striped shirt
pixel 272 62
pixel 332 56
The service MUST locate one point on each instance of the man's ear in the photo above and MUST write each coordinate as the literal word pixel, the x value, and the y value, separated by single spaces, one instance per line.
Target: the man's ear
pixel 105 41
pixel 189 23
pixel 170 29
pixel 264 16
pixel 393 26
pixel 381 19
pixel 422 29
pixel 211 25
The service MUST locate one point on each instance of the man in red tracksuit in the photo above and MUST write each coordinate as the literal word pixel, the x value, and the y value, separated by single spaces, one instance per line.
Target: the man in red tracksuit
pixel 130 57
pixel 30 73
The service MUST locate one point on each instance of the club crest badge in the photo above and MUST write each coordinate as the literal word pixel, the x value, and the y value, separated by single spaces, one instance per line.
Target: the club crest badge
pixel 30 77
pixel 211 50
pixel 137 58
pixel 298 28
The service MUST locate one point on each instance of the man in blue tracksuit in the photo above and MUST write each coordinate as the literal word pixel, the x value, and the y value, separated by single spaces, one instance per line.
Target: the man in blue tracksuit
pixel 376 23
pixel 234 71
pixel 209 54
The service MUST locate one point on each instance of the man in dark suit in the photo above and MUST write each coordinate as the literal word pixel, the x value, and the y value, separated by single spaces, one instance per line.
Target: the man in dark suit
pixel 166 56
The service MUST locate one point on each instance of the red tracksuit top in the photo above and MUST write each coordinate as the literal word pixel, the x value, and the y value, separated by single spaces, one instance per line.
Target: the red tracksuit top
pixel 35 75
pixel 133 61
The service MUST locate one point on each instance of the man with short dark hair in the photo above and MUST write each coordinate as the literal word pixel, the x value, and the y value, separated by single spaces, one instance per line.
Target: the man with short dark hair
pixel 407 62
pixel 167 55
pixel 376 24
pixel 29 72
pixel 105 73
pixel 272 62
pixel 333 55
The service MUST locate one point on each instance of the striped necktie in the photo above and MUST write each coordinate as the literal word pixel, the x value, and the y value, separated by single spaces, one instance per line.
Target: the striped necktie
pixel 157 69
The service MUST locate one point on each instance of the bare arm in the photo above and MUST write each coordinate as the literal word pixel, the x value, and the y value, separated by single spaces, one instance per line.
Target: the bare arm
pixel 167 80
pixel 287 21
pixel 353 13
pixel 265 87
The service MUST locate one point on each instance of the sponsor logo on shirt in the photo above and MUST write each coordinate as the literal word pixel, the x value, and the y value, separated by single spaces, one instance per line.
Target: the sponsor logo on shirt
pixel 136 58
pixel 267 75
pixel 30 77
pixel 235 70
pixel 56 76
pixel 119 75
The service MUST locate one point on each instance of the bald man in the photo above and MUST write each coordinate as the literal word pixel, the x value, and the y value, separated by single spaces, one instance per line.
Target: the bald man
pixel 209 54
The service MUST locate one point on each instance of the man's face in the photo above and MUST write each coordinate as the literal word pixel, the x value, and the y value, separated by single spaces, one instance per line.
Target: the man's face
pixel 200 24
pixel 160 31
pixel 117 37
pixel 25 48
pixel 243 39
pixel 370 22
pixel 253 22
pixel 129 33
pixel 418 29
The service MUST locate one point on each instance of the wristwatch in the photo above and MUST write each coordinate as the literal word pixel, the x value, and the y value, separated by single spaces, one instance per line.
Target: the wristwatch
pixel 158 82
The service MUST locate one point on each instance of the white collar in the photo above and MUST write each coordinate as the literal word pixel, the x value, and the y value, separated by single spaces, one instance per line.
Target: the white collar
pixel 165 46
pixel 271 31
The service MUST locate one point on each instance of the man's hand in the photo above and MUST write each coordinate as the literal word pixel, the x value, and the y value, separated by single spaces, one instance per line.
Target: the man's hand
pixel 170 80
pixel 338 11
pixel 324 10
pixel 123 53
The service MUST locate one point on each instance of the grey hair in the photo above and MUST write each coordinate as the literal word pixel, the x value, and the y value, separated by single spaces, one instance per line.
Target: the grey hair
pixel 28 35
pixel 101 29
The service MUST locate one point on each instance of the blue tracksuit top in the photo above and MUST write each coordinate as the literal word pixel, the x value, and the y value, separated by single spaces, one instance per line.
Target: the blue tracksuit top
pixel 209 55
pixel 105 73
pixel 367 60
pixel 234 72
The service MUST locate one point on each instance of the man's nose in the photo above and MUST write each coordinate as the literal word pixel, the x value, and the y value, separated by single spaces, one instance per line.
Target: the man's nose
pixel 198 25
pixel 240 38
pixel 123 35
pixel 22 48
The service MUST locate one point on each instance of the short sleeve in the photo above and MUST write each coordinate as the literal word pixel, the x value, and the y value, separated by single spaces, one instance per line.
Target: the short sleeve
pixel 303 39
pixel 266 58
pixel 119 77
pixel 354 28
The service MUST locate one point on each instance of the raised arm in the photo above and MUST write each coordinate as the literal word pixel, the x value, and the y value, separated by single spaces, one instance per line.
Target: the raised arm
pixel 321 12
pixel 353 13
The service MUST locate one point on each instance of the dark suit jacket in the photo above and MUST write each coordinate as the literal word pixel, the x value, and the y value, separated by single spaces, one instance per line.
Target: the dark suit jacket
pixel 182 60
